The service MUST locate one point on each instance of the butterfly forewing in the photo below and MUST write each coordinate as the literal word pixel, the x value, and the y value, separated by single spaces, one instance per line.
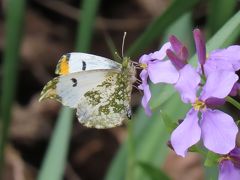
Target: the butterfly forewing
pixel 76 62
pixel 69 89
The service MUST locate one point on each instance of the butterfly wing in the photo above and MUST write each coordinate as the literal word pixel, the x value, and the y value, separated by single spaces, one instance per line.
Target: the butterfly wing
pixel 102 97
pixel 69 89
pixel 76 62
pixel 108 104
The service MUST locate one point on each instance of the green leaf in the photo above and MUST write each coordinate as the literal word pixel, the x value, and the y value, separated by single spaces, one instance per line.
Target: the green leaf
pixel 55 158
pixel 169 123
pixel 158 27
pixel 152 172
pixel 211 159
pixel 226 35
pixel 219 12
pixel 13 35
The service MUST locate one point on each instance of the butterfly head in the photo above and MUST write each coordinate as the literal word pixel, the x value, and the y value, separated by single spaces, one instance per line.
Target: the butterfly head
pixel 126 62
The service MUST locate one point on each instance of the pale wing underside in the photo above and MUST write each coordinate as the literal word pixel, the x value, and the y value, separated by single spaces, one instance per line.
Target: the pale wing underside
pixel 82 62
pixel 107 105
pixel 68 89
pixel 72 87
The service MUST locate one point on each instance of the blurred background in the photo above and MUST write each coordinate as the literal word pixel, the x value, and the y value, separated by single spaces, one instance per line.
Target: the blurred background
pixel 38 142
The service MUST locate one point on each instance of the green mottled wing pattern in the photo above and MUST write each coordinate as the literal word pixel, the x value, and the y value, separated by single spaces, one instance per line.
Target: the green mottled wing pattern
pixel 108 104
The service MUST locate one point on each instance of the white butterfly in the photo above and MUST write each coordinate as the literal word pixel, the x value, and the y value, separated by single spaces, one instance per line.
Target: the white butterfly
pixel 99 88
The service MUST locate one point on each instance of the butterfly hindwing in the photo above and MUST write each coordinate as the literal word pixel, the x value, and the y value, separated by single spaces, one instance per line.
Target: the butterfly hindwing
pixel 108 104
pixel 76 62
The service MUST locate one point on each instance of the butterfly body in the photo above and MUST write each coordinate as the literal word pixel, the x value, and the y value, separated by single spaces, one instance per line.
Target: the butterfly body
pixel 101 94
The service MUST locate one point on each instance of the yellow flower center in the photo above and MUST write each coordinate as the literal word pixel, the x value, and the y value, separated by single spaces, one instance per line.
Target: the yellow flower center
pixel 144 66
pixel 199 105
pixel 224 158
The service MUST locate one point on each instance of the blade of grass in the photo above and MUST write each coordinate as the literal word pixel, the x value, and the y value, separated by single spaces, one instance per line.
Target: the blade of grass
pixel 131 153
pixel 55 158
pixel 219 12
pixel 13 33
pixel 169 103
pixel 85 28
pixel 158 27
pixel 153 172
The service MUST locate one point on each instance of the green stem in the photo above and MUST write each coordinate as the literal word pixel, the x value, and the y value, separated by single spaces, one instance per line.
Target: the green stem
pixel 131 153
pixel 233 102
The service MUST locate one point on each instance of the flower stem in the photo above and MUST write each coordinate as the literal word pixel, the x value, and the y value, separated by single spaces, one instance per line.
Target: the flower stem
pixel 233 102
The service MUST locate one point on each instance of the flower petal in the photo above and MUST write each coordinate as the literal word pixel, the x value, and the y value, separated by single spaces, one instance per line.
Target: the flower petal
pixel 186 134
pixel 145 58
pixel 218 131
pixel 214 102
pixel 176 44
pixel 218 84
pixel 146 97
pixel 144 75
pixel 212 65
pixel 161 54
pixel 230 54
pixel 227 171
pixel 187 84
pixel 200 45
pixel 176 61
pixel 162 71
pixel 235 89
pixel 235 154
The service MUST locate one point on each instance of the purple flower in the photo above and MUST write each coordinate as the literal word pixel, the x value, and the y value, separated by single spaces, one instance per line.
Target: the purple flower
pixel 178 55
pixel 229 167
pixel 214 126
pixel 158 71
pixel 200 46
pixel 223 59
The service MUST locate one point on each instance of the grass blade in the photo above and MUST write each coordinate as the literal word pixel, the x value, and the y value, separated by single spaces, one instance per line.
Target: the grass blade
pixel 219 12
pixel 153 172
pixel 55 159
pixel 85 28
pixel 13 31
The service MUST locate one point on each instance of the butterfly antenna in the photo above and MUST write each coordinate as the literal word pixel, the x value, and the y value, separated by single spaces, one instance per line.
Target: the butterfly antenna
pixel 124 37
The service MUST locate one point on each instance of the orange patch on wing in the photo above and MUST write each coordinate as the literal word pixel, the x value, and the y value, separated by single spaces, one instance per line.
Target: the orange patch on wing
pixel 63 66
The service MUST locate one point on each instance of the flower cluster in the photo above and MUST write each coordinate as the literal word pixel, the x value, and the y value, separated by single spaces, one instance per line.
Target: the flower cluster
pixel 205 88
